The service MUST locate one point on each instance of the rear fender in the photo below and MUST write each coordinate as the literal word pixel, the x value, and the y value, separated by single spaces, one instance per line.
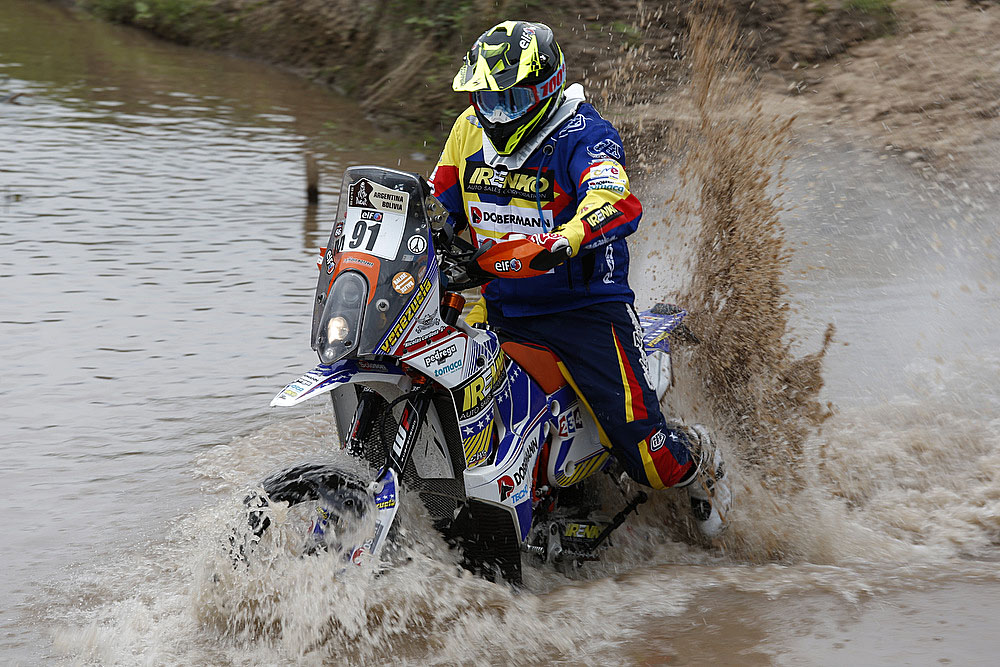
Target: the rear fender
pixel 325 378
pixel 657 325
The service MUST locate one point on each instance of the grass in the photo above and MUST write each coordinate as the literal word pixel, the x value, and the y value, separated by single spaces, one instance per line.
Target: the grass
pixel 873 7
pixel 181 20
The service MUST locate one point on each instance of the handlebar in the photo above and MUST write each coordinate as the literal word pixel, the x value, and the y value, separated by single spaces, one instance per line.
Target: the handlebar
pixel 465 266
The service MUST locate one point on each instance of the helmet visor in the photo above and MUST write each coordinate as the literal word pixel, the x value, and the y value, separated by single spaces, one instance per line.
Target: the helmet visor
pixel 503 106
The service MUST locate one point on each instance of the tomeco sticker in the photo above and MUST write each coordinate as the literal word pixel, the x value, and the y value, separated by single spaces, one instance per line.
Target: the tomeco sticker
pixel 403 282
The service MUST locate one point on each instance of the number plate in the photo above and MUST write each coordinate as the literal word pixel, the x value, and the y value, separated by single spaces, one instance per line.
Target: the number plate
pixel 376 219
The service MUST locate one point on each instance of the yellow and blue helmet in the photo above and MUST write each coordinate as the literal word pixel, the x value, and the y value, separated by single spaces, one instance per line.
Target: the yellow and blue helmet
pixel 514 74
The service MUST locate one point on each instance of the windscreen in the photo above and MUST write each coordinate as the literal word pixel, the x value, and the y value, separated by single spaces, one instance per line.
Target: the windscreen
pixel 381 234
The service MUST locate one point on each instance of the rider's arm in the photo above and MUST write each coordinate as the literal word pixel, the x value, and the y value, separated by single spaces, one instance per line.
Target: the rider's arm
pixel 444 179
pixel 477 314
pixel 606 208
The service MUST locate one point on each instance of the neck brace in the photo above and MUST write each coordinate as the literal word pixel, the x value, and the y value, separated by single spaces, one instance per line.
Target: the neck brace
pixel 573 98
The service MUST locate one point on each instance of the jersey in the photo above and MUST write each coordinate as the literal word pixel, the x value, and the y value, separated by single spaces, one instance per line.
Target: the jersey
pixel 573 184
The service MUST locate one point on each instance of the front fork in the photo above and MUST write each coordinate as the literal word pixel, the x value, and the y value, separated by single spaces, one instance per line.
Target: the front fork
pixel 409 427
pixel 364 417
pixel 384 488
pixel 369 403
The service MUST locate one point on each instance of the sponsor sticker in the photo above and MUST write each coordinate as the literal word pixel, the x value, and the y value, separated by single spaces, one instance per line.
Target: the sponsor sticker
pixel 358 260
pixel 507 265
pixel 371 366
pixel 602 169
pixel 507 484
pixel 365 194
pixel 440 355
pixel 403 282
pixel 358 553
pixel 374 220
pixel 471 396
pixel 575 124
pixel 589 531
pixel 526 34
pixel 599 217
pixel 416 244
pixel 508 219
pixel 521 183
pixel 426 326
pixel 607 184
pixel 453 366
pixel 657 441
pixel 416 301
pixel 608 147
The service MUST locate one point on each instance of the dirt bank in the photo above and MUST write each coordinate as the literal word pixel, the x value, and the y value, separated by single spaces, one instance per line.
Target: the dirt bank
pixel 920 75
pixel 398 56
pixel 931 90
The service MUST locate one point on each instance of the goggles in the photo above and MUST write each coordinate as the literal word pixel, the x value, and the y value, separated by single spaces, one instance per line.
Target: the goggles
pixel 503 106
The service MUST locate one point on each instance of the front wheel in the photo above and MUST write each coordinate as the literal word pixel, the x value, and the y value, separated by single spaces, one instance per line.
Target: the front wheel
pixel 328 509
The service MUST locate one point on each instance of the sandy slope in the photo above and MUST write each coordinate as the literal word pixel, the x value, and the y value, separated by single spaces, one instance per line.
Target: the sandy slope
pixel 932 90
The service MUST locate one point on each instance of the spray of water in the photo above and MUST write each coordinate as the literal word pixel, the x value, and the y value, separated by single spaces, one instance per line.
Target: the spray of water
pixel 761 394
pixel 812 484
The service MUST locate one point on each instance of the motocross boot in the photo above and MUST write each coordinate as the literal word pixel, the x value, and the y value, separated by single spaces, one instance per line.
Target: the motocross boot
pixel 709 491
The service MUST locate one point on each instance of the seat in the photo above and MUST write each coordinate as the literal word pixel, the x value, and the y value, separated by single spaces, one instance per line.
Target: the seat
pixel 538 362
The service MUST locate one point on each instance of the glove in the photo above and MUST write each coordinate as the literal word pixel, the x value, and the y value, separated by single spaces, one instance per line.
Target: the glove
pixel 557 244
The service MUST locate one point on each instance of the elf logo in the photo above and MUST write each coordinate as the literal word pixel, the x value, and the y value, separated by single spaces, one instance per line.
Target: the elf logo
pixel 507 265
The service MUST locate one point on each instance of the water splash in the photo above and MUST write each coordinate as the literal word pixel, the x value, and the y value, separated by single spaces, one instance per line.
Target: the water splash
pixel 812 484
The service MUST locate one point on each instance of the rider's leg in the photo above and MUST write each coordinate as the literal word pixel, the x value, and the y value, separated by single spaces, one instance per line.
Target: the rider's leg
pixel 601 349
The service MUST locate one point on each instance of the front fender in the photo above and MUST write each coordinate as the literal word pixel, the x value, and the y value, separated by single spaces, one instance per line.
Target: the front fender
pixel 325 378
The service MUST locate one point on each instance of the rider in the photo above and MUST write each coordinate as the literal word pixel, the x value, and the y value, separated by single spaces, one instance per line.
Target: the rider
pixel 529 157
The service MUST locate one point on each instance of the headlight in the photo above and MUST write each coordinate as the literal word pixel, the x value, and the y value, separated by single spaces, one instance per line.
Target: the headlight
pixel 337 329
pixel 340 325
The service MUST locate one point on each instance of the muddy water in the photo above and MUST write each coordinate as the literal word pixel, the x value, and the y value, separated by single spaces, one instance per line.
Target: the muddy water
pixel 156 262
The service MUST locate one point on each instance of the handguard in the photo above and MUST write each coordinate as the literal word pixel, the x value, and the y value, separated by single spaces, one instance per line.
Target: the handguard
pixel 518 258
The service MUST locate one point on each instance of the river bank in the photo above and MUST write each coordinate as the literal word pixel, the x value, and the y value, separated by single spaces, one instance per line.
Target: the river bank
pixel 920 76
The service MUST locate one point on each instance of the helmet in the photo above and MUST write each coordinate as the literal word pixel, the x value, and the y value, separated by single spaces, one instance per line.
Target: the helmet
pixel 514 74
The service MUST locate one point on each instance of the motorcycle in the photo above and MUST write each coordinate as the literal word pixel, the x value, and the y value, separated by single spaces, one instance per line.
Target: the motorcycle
pixel 485 431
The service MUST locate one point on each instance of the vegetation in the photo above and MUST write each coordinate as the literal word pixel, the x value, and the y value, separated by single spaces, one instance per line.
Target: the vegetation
pixel 871 7
pixel 397 57
pixel 183 21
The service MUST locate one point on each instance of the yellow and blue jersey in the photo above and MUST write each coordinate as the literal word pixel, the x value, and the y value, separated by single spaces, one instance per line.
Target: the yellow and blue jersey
pixel 574 184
